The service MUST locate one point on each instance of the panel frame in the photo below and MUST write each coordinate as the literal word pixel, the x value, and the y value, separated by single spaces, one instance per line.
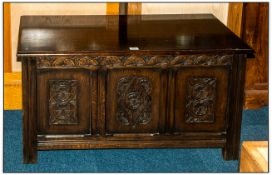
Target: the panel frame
pixel 158 77
pixel 85 122
pixel 201 71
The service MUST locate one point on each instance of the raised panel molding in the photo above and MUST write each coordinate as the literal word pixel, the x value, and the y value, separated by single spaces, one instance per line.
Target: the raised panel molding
pixel 134 101
pixel 63 102
pixel 200 100
pixel 95 62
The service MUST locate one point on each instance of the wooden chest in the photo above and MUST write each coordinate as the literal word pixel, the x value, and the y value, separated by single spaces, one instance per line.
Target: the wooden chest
pixel 143 81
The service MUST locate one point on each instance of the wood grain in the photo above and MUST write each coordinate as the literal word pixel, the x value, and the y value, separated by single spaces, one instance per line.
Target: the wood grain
pixel 231 150
pixel 30 112
pixel 59 144
pixel 254 157
pixel 255 34
pixel 134 8
pixel 7 38
pixel 255 99
pixel 179 34
pixel 235 14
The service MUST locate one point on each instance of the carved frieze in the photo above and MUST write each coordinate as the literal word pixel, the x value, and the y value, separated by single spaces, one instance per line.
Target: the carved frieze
pixel 63 102
pixel 133 60
pixel 134 100
pixel 200 100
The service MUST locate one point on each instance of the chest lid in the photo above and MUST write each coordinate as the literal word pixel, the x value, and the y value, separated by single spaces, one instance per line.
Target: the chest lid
pixel 126 34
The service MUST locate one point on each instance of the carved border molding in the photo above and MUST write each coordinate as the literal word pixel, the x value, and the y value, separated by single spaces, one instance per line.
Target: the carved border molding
pixel 96 62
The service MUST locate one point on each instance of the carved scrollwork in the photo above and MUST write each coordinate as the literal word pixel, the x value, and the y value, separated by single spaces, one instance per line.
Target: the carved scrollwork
pixel 134 101
pixel 134 60
pixel 200 100
pixel 202 60
pixel 63 102
pixel 110 61
pixel 86 61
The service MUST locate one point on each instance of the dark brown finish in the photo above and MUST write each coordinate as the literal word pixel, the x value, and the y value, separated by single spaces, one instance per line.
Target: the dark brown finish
pixel 182 88
pixel 134 101
pixel 231 150
pixel 201 105
pixel 255 34
pixel 63 101
pixel 30 112
pixel 90 34
pixel 200 100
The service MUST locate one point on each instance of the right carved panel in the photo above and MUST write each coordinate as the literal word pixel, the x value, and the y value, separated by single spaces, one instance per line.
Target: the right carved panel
pixel 201 98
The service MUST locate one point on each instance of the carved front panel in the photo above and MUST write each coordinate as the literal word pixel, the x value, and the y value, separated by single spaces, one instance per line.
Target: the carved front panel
pixel 134 100
pixel 63 102
pixel 200 100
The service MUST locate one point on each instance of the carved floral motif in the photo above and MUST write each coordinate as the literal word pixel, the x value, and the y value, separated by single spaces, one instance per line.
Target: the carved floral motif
pixel 63 102
pixel 200 100
pixel 134 100
pixel 134 60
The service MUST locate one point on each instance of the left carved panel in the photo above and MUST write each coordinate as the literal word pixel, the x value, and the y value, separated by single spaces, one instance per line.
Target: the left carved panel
pixel 63 102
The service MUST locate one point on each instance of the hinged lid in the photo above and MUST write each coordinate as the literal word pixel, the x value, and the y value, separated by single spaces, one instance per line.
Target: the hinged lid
pixel 100 34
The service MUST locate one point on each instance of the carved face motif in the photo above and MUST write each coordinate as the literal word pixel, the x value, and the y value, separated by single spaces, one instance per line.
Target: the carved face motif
pixel 133 100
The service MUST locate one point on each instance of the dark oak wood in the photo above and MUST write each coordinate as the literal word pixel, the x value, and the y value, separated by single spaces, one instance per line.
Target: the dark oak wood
pixel 133 99
pixel 63 101
pixel 91 34
pixel 198 89
pixel 84 88
pixel 30 113
pixel 231 150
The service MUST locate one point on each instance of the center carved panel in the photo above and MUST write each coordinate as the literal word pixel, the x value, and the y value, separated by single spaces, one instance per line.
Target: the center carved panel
pixel 200 100
pixel 134 100
pixel 63 102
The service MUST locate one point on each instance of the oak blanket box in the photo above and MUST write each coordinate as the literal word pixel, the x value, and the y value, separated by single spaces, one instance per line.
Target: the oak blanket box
pixel 142 81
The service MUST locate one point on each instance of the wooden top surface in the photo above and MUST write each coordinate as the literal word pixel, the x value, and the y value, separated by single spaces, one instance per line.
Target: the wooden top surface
pixel 126 34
